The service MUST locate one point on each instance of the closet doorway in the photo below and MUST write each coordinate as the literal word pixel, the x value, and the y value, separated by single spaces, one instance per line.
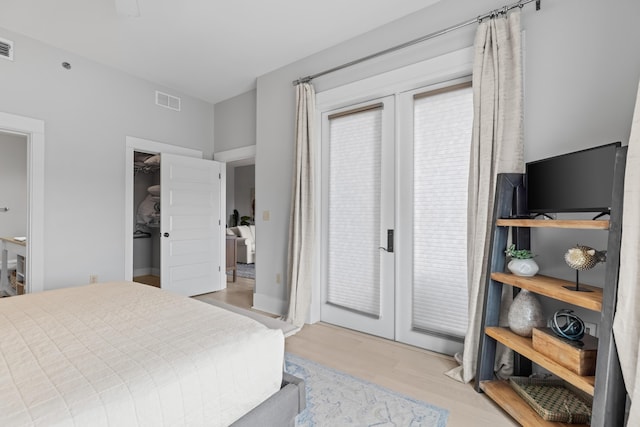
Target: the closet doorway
pixel 30 132
pixel 146 235
pixel 174 218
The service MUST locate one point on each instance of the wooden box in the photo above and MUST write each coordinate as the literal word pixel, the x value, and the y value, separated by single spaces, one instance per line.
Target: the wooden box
pixel 577 356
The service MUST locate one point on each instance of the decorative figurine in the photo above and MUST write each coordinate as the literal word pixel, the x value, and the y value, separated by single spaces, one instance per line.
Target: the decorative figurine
pixel 583 258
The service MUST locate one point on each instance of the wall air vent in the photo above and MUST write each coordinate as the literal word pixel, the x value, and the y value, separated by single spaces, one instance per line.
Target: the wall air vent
pixel 6 49
pixel 167 101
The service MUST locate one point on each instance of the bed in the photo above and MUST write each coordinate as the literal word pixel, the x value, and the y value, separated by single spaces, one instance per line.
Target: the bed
pixel 126 354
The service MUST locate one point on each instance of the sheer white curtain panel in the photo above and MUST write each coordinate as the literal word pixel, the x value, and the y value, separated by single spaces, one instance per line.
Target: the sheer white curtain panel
pixel 497 147
pixel 301 225
pixel 626 322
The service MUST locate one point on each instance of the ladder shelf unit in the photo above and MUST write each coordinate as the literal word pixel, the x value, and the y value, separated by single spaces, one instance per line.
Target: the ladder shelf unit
pixel 606 386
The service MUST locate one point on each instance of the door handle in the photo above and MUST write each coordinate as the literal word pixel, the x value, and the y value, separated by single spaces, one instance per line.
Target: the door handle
pixel 166 234
pixel 389 247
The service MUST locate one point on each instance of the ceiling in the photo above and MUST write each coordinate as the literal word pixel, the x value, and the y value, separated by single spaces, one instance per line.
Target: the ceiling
pixel 210 49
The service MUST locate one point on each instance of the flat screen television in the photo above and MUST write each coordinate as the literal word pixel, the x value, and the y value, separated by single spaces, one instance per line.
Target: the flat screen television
pixel 581 181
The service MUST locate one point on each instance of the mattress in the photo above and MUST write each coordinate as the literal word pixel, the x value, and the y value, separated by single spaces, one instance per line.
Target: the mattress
pixel 124 354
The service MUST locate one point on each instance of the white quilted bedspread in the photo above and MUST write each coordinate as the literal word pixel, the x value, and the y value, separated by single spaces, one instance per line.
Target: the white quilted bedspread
pixel 124 354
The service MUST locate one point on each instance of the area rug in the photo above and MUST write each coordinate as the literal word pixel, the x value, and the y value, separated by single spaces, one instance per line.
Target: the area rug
pixel 338 399
pixel 247 271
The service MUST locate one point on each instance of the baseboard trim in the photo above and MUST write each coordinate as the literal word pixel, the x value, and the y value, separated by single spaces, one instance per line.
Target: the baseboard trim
pixel 269 304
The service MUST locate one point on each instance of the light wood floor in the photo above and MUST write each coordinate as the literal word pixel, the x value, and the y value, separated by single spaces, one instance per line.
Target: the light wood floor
pixel 405 369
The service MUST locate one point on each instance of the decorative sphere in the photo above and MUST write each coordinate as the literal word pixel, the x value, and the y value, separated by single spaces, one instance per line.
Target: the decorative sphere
pixel 567 325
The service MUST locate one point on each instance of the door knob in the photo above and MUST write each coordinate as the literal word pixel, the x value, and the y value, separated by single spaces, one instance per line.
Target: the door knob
pixel 166 234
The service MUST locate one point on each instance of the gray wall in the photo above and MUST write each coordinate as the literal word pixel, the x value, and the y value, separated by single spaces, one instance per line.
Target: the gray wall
pixel 235 122
pixel 245 180
pixel 13 185
pixel 582 68
pixel 88 112
pixel 231 193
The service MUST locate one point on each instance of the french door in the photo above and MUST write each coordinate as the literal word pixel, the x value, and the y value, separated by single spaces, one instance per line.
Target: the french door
pixel 395 176
pixel 358 194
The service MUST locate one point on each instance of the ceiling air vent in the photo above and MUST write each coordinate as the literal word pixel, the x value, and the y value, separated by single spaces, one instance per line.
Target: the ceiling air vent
pixel 167 101
pixel 6 49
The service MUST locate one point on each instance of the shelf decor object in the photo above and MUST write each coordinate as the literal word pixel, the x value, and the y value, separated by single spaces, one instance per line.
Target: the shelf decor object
pixel 567 325
pixel 552 400
pixel 522 262
pixel 577 356
pixel 583 258
pixel 525 314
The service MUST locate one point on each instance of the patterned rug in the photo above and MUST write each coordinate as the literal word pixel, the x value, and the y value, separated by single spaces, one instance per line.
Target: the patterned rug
pixel 246 270
pixel 336 399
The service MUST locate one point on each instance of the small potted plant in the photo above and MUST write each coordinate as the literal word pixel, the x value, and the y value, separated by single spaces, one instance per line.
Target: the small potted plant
pixel 522 263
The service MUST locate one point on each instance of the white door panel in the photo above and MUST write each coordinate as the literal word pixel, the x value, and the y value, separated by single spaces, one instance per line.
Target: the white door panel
pixel 191 225
pixel 358 189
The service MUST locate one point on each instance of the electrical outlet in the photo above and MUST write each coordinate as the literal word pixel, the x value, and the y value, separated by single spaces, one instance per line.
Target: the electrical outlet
pixel 591 329
pixel 278 278
pixel 93 278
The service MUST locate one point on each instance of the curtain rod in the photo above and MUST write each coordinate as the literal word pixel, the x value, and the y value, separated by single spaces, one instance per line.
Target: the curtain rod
pixel 503 10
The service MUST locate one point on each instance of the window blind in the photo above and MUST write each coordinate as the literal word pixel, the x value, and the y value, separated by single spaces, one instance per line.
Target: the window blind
pixel 442 137
pixel 354 210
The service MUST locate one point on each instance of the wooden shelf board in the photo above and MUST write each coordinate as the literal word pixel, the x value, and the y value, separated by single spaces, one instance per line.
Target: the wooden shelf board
pixel 554 288
pixel 502 393
pixel 524 346
pixel 588 224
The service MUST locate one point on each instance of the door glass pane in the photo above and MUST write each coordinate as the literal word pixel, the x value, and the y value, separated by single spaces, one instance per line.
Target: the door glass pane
pixel 354 211
pixel 442 139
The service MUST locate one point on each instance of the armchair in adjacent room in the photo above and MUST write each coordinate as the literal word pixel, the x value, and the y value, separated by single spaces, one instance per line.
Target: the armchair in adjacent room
pixel 246 243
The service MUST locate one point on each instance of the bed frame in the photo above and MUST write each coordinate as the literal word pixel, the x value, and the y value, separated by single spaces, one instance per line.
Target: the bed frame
pixel 280 409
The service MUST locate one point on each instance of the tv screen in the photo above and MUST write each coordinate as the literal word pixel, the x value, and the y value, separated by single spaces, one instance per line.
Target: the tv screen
pixel 576 182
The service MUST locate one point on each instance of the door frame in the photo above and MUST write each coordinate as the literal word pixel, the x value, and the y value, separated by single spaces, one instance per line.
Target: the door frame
pixel 450 66
pixel 146 145
pixel 33 129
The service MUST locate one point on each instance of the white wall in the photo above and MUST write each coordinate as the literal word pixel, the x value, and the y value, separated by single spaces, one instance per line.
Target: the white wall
pixel 582 68
pixel 13 185
pixel 88 112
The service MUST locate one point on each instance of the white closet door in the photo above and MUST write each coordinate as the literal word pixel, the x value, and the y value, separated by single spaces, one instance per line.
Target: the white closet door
pixel 191 225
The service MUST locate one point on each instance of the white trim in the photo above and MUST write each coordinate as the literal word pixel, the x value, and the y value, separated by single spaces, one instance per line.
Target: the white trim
pixel 431 71
pixel 241 153
pixel 149 146
pixel 269 304
pixel 33 129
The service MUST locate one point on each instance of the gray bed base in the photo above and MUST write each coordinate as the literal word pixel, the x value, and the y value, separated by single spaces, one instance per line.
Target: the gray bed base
pixel 280 409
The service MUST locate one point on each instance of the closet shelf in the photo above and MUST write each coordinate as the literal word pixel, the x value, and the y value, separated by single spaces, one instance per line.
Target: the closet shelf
pixel 145 168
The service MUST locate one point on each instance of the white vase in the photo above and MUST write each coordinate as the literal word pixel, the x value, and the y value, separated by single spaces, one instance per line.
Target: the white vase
pixel 525 314
pixel 523 267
